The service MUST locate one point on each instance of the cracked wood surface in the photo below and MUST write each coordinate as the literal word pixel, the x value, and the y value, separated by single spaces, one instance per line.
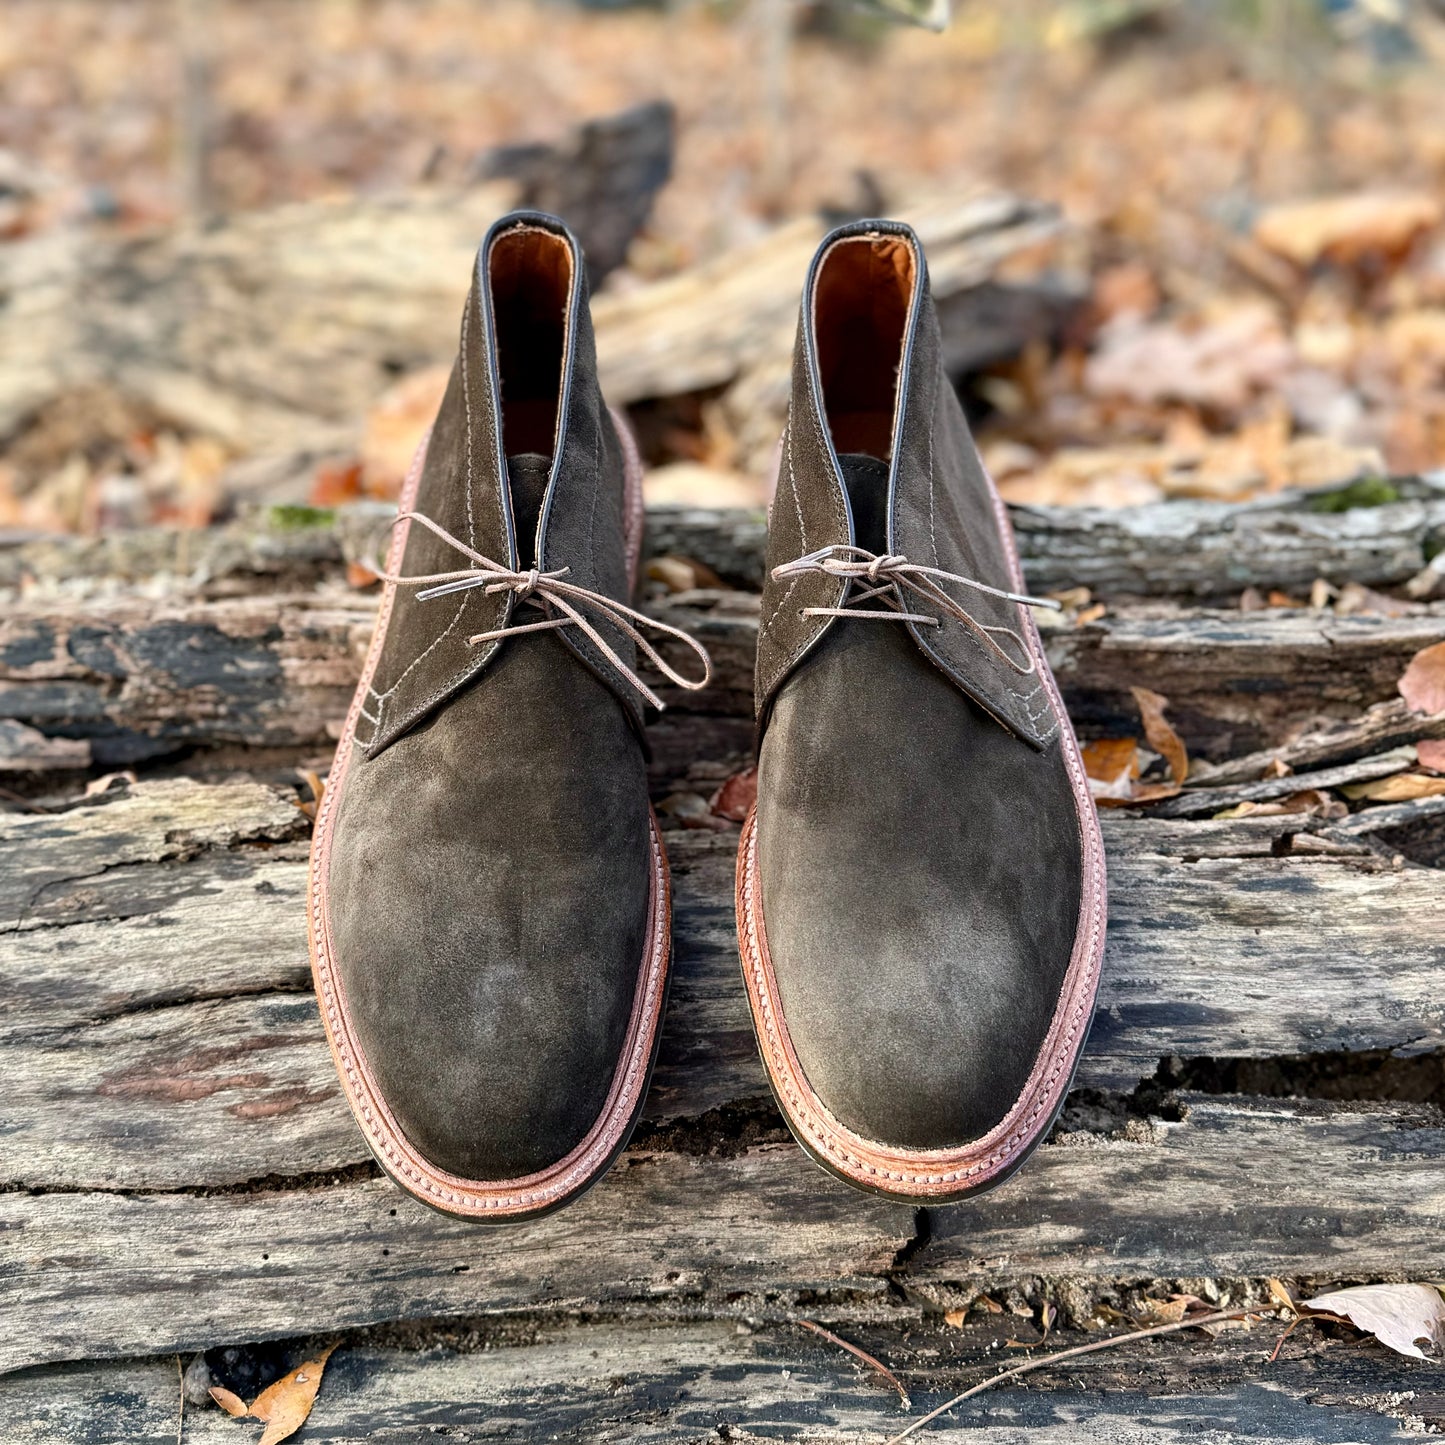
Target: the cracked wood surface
pixel 617 1381
pixel 158 1029
pixel 182 1170
pixel 139 678
pixel 1186 549
pixel 102 1274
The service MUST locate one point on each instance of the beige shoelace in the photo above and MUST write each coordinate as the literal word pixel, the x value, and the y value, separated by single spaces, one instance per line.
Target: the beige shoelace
pixel 887 576
pixel 548 590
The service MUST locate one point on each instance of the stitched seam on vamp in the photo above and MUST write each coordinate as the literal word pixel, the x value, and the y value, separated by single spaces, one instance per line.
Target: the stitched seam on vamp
pixel 472 663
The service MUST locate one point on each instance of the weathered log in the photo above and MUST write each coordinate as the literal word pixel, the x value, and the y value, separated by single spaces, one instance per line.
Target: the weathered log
pixel 736 314
pixel 275 331
pixel 157 1029
pixel 139 677
pixel 1357 1190
pixel 1214 550
pixel 618 1380
pixel 272 332
pixel 1201 550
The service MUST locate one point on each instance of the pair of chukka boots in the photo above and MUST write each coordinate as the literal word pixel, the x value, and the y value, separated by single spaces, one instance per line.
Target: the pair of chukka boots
pixel 920 888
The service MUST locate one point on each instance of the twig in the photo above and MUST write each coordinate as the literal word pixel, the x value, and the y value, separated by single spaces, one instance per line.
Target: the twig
pixel 1279 1343
pixel 1043 1361
pixel 181 1418
pixel 861 1355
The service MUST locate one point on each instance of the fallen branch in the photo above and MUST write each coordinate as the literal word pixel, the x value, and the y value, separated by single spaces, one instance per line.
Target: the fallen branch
pixel 863 1355
pixel 1029 1366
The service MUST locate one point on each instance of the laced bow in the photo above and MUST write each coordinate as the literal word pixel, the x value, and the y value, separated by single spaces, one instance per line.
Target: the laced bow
pixel 550 590
pixel 888 575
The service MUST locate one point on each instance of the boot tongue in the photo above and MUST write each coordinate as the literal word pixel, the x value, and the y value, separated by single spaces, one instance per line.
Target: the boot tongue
pixel 866 479
pixel 528 473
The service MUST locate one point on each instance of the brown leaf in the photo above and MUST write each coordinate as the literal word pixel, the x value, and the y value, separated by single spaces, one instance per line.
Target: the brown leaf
pixel 1154 792
pixel 736 796
pixel 1431 753
pixel 1400 1316
pixel 334 483
pixel 1311 801
pixel 1279 1292
pixel 1401 788
pixel 1346 229
pixel 954 1318
pixel 682 574
pixel 1423 683
pixel 285 1405
pixel 231 1403
pixel 318 788
pixel 107 781
pixel 1167 1312
pixel 1162 738
pixel 1112 760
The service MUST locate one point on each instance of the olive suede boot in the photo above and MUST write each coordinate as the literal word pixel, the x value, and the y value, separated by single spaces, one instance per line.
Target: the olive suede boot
pixel 490 924
pixel 921 884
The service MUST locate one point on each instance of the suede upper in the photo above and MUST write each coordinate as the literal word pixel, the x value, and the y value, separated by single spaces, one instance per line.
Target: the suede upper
pixel 919 844
pixel 427 656
pixel 492 857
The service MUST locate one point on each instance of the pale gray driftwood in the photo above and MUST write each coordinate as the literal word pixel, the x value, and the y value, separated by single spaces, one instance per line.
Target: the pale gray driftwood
pixel 1203 550
pixel 616 1381
pixel 1217 549
pixel 1356 1191
pixel 157 1029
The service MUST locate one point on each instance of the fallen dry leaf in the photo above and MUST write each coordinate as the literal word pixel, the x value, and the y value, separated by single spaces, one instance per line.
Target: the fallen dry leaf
pixel 1346 229
pixel 1431 753
pixel 395 427
pixel 682 574
pixel 1401 788
pixel 1280 1293
pixel 954 1318
pixel 1164 1312
pixel 1422 684
pixel 285 1405
pixel 1106 758
pixel 230 1402
pixel 1311 801
pixel 736 796
pixel 1162 738
pixel 106 781
pixel 334 483
pixel 1400 1316
pixel 318 788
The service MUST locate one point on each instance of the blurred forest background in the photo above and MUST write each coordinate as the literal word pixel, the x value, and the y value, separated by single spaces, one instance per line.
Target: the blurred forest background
pixel 1243 289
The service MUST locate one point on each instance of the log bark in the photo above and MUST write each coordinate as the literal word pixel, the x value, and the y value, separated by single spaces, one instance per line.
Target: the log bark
pixel 99 1275
pixel 140 678
pixel 618 1380
pixel 275 331
pixel 1195 550
pixel 177 1167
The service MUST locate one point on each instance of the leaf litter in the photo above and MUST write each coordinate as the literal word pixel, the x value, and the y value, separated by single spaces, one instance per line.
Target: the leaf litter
pixel 284 1406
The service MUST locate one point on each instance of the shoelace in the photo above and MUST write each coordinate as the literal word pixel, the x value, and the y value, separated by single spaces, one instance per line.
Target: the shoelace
pixel 549 590
pixel 887 576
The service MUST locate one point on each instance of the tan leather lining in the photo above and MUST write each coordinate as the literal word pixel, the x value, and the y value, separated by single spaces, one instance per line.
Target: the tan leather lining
pixel 861 304
pixel 485 1199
